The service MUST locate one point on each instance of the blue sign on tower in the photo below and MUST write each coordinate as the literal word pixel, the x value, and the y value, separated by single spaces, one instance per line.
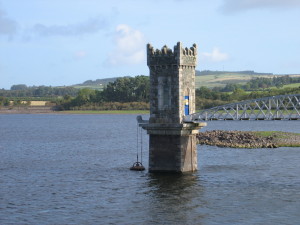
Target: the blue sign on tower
pixel 186 106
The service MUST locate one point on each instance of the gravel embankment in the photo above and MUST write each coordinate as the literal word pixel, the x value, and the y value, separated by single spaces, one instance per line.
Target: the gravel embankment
pixel 249 139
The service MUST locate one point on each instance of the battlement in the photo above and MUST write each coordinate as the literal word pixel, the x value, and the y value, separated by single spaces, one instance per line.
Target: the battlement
pixel 179 56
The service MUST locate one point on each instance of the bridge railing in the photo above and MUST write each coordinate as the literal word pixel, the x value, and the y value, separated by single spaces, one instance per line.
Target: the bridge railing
pixel 281 107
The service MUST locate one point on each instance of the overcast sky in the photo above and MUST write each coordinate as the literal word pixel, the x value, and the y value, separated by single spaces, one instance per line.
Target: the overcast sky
pixel 64 42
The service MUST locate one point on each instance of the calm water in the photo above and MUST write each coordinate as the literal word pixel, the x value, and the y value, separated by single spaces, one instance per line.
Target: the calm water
pixel 73 169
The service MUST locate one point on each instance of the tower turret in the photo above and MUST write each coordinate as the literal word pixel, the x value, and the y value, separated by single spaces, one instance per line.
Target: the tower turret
pixel 172 82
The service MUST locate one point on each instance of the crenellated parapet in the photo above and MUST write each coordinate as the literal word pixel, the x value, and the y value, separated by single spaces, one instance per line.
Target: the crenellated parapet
pixel 172 82
pixel 179 56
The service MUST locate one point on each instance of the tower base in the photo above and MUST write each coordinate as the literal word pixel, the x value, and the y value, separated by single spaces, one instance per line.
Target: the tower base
pixel 173 147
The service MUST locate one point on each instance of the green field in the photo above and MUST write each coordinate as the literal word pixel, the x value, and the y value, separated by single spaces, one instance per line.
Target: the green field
pixel 210 80
pixel 281 139
pixel 95 87
pixel 295 85
pixel 220 80
pixel 274 133
pixel 98 84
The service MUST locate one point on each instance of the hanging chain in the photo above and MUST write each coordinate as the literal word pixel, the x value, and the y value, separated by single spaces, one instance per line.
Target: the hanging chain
pixel 137 142
pixel 141 145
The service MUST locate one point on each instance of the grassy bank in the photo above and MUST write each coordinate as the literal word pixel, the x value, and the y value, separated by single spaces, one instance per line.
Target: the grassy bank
pixel 280 139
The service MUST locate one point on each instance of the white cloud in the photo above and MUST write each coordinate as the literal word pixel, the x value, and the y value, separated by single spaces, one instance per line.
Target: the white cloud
pixel 214 56
pixel 7 26
pixel 129 46
pixel 243 5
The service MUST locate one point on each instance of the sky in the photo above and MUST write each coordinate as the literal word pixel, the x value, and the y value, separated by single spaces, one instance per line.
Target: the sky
pixel 66 42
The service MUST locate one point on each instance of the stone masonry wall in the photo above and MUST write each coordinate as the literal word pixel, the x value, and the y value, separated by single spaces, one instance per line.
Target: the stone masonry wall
pixel 172 143
pixel 172 76
pixel 172 153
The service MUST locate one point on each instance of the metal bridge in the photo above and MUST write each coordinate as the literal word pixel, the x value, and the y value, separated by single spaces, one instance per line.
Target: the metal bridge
pixel 281 107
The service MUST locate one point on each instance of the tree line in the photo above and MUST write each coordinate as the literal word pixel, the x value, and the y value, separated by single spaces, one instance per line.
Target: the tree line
pixel 22 91
pixel 207 98
pixel 124 93
pixel 133 93
pixel 261 83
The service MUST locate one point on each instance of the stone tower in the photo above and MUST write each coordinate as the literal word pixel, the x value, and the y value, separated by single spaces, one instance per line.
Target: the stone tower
pixel 172 142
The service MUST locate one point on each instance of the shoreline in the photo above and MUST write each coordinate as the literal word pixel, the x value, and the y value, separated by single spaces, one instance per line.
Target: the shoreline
pixel 48 110
pixel 220 138
pixel 249 139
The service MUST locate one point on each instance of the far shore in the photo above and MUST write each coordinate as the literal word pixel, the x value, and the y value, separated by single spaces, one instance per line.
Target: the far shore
pixel 48 110
pixel 104 112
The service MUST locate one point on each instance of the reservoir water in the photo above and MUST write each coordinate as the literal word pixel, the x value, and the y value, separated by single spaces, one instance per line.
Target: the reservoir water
pixel 74 169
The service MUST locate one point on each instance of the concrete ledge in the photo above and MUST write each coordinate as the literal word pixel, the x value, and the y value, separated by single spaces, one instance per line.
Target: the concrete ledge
pixel 183 129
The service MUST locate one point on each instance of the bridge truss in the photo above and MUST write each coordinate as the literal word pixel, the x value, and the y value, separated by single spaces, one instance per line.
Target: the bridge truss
pixel 281 107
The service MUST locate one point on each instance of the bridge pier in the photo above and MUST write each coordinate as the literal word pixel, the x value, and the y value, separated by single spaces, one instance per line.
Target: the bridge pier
pixel 172 142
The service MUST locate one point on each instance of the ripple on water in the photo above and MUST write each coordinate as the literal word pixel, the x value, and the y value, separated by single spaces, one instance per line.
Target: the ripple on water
pixel 74 169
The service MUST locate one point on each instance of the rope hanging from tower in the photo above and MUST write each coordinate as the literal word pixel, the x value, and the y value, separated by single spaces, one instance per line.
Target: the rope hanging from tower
pixel 138 166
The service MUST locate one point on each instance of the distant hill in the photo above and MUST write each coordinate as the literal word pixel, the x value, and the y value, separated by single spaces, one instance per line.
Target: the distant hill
pixel 98 84
pixel 216 72
pixel 206 78
pixel 212 79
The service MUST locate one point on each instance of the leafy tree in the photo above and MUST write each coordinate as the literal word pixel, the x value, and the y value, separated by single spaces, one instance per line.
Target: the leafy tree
pixel 123 93
pixel 127 89
pixel 238 94
pixel 4 101
pixel 84 96
pixel 18 87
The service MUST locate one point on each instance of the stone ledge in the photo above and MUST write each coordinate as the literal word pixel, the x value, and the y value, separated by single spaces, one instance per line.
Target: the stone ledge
pixel 184 129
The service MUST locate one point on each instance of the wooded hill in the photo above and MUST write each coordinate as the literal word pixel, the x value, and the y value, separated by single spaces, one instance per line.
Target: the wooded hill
pixel 205 78
pixel 133 93
pixel 213 88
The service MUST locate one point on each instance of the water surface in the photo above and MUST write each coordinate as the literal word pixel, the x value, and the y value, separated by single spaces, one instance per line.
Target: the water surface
pixel 73 169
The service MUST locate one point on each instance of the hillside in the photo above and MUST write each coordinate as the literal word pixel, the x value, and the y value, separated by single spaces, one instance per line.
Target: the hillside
pixel 212 79
pixel 206 78
pixel 98 84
